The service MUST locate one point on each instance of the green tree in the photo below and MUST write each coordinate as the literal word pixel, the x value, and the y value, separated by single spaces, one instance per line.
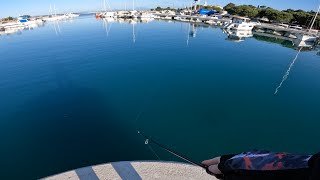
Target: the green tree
pixel 8 19
pixel 229 6
pixel 158 8
pixel 249 11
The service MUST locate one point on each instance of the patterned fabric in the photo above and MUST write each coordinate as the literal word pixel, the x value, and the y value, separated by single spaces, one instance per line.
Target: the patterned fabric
pixel 266 160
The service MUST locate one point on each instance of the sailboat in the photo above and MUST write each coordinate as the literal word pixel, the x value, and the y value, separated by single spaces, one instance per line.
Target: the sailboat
pixel 107 14
pixel 52 14
pixel 308 40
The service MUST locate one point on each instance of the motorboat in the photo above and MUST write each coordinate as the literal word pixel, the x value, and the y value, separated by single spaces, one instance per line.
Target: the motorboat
pixel 145 15
pixel 240 24
pixel 108 15
pixel 72 15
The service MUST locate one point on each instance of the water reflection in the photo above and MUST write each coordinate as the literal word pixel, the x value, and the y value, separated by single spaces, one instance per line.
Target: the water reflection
pixel 238 36
pixel 286 75
pixel 286 39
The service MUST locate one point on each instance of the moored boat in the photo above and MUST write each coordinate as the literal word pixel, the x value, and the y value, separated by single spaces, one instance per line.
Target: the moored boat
pixel 240 24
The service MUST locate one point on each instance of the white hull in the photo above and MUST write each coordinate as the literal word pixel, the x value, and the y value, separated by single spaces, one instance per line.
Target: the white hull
pixel 241 26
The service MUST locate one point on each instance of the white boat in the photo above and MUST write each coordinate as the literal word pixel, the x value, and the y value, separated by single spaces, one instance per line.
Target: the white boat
pixel 240 24
pixel 72 15
pixel 211 22
pixel 304 40
pixel 53 15
pixel 157 16
pixel 167 17
pixel 11 31
pixel 238 36
pixel 195 20
pixel 51 18
pixel 108 15
pixel 13 25
pixel 28 22
pixel 145 15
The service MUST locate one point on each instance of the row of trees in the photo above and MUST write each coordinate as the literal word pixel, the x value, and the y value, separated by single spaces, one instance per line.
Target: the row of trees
pixel 215 8
pixel 289 16
pixel 218 9
pixel 161 9
pixel 7 19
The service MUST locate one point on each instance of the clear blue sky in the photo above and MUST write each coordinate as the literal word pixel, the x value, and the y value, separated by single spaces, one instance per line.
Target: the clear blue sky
pixel 37 7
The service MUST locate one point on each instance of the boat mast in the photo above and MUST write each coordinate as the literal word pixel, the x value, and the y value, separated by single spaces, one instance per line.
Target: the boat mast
pixel 104 6
pixel 314 19
pixel 133 5
pixel 109 6
pixel 55 11
pixel 50 10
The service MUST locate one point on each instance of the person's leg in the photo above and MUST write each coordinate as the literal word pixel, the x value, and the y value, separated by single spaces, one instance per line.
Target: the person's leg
pixel 214 169
pixel 213 161
pixel 213 165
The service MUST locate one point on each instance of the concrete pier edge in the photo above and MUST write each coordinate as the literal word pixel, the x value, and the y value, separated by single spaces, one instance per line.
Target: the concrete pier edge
pixel 135 170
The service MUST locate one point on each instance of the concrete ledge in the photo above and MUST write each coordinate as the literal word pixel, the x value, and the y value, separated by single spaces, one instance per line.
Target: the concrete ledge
pixel 136 171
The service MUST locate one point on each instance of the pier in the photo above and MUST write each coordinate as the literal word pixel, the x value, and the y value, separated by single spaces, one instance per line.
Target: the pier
pixel 137 171
pixel 283 29
pixel 194 17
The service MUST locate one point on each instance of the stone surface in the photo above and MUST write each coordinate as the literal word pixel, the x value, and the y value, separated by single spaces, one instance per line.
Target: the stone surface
pixel 136 171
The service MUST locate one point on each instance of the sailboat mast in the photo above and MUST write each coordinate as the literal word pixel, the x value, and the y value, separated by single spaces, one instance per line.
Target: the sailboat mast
pixel 104 5
pixel 109 6
pixel 133 5
pixel 314 19
pixel 50 10
pixel 55 11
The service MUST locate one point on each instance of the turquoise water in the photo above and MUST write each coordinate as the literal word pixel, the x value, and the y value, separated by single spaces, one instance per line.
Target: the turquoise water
pixel 77 97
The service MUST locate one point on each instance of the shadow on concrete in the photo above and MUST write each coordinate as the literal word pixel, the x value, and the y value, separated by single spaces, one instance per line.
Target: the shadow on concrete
pixel 126 171
pixel 86 173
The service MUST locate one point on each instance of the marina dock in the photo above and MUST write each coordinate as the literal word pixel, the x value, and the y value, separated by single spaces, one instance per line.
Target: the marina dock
pixel 282 29
pixel 195 17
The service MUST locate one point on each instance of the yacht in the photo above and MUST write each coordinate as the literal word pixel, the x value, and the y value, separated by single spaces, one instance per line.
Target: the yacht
pixel 27 21
pixel 53 15
pixel 72 15
pixel 108 15
pixel 145 15
pixel 240 24
pixel 212 21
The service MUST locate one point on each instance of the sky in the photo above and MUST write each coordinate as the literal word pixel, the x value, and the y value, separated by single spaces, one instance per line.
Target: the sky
pixel 40 7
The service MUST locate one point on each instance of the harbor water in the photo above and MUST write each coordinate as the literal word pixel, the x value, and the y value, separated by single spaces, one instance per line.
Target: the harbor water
pixel 75 93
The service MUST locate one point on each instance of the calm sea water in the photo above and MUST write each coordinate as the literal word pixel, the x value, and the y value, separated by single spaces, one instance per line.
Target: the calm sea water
pixel 76 97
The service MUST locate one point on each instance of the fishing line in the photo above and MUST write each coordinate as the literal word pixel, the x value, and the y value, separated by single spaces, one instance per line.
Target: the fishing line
pixel 148 140
pixel 138 117
pixel 151 149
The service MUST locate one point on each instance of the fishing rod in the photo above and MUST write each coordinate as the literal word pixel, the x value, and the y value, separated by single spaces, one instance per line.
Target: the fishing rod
pixel 148 139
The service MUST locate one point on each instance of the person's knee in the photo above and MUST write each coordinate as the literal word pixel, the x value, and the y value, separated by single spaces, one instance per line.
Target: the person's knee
pixel 214 169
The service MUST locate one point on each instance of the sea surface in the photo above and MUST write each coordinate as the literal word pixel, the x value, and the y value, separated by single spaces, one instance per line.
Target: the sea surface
pixel 75 93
